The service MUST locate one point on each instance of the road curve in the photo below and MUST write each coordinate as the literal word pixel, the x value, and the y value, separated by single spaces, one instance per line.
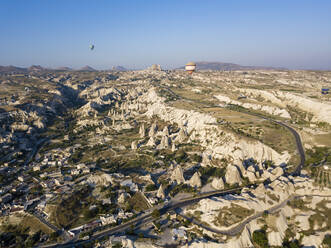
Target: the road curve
pixel 297 137
pixel 147 218
pixel 239 227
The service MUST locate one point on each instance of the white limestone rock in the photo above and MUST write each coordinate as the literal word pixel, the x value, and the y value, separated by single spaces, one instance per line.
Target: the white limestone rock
pixel 134 145
pixel 217 183
pixel 165 141
pixel 178 175
pixel 232 175
pixel 160 193
pixel 142 131
pixel 173 147
pixel 154 67
pixel 165 131
pixel 151 142
pixel 153 130
pixel 147 178
pixel 195 180
pixel 182 136
pixel 101 179
pixel 123 197
pixel 206 158
pixel 251 176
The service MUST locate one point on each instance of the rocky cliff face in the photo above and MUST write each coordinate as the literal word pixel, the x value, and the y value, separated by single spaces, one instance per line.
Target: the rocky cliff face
pixel 202 128
pixel 264 108
pixel 321 111
pixel 177 175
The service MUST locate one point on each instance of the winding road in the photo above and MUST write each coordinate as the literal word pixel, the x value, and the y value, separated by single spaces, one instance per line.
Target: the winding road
pixel 147 218
pixel 297 138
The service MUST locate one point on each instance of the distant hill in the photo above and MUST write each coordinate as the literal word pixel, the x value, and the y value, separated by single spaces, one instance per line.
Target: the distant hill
pixel 63 68
pixel 12 69
pixel 119 68
pixel 220 66
pixel 36 68
pixel 87 68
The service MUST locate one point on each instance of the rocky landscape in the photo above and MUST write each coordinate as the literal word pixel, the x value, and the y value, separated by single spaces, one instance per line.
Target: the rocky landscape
pixel 85 152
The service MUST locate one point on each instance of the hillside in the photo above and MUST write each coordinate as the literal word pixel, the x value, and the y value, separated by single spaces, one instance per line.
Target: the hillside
pixel 221 66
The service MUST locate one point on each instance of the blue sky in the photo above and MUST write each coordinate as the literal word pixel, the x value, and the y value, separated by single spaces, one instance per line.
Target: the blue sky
pixel 295 34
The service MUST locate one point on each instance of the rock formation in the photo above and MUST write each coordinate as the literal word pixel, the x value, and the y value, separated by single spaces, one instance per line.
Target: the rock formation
pixel 173 147
pixel 164 142
pixel 177 175
pixel 122 198
pixel 217 183
pixel 165 131
pixel 155 67
pixel 195 180
pixel 101 180
pixel 153 130
pixel 151 141
pixel 206 158
pixel 134 145
pixel 142 131
pixel 232 175
pixel 160 193
pixel 182 135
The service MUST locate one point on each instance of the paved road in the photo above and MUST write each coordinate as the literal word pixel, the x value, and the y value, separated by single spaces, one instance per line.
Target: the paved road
pixel 239 227
pixel 296 135
pixel 300 148
pixel 147 218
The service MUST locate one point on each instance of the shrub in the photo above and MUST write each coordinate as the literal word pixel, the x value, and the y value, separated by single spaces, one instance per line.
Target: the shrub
pixel 197 158
pixel 150 187
pixel 260 238
pixel 156 213
pixel 327 240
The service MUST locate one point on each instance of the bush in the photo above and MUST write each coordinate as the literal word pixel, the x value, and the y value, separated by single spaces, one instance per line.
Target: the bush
pixel 197 158
pixel 156 213
pixel 327 240
pixel 260 238
pixel 181 157
pixel 150 187
pixel 291 244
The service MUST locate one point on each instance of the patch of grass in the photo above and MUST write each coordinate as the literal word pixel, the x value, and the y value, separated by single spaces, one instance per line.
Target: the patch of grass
pixel 138 202
pixel 260 238
pixel 231 215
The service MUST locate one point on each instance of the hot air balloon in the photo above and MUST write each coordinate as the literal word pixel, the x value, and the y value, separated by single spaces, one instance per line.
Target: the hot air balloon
pixel 190 67
pixel 91 47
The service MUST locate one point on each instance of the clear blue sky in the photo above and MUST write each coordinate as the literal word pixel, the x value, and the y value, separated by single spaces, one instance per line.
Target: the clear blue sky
pixel 135 34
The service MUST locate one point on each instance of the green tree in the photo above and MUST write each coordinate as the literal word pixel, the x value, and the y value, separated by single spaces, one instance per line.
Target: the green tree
pixel 327 240
pixel 260 238
pixel 156 213
pixel 150 187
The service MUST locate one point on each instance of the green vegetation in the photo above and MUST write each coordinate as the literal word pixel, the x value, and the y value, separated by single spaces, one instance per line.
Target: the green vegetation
pixel 209 171
pixel 138 202
pixel 230 215
pixel 68 211
pixel 317 154
pixel 181 156
pixel 150 187
pixel 327 240
pixel 156 213
pixel 183 188
pixel 260 238
pixel 298 203
pixel 18 236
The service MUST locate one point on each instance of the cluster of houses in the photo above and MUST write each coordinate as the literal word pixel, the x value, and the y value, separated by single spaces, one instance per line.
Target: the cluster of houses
pixel 102 221
pixel 52 172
